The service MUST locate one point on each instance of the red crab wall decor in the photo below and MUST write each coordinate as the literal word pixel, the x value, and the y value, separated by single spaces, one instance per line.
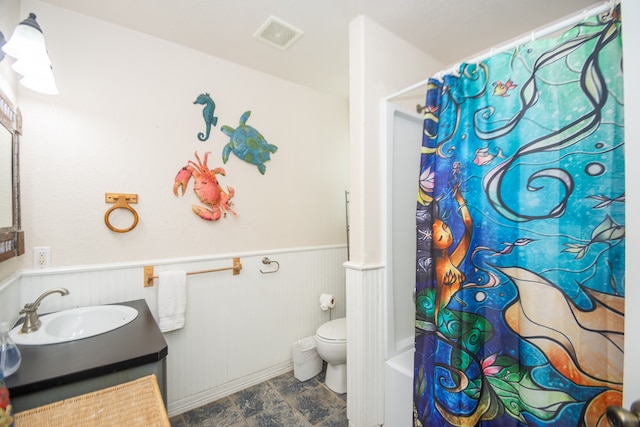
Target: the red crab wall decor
pixel 217 201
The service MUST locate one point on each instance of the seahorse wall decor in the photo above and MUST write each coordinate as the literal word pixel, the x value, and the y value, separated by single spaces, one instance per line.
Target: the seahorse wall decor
pixel 207 113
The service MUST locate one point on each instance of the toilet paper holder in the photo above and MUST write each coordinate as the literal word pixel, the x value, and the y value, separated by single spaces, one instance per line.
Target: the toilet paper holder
pixel 267 261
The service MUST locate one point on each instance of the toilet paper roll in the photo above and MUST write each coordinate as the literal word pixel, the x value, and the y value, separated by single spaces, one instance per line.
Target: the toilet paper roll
pixel 327 301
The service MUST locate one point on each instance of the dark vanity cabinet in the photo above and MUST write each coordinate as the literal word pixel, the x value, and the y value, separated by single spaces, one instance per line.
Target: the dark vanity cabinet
pixel 49 373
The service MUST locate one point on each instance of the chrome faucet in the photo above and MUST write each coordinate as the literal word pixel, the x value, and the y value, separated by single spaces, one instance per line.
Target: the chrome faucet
pixel 31 321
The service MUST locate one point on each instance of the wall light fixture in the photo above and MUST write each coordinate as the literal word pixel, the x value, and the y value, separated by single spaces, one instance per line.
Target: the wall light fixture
pixel 32 61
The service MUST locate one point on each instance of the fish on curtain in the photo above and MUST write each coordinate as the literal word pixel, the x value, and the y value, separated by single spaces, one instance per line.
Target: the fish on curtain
pixel 520 236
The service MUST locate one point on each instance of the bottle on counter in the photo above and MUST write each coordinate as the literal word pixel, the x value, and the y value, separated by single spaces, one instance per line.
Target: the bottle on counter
pixel 9 354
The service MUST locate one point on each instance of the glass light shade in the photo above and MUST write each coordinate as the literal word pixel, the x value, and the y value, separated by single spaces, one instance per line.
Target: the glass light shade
pixel 42 82
pixel 27 46
pixel 26 41
pixel 32 65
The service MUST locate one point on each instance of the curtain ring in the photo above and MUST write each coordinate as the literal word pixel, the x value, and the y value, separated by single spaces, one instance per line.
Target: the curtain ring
pixel 121 202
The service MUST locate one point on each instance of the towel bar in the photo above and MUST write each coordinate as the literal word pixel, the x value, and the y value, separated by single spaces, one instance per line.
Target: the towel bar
pixel 148 271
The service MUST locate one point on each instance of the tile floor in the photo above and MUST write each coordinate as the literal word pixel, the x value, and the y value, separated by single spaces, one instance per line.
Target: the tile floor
pixel 282 401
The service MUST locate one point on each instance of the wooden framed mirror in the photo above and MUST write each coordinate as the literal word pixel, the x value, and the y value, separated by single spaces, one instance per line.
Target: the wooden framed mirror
pixel 11 236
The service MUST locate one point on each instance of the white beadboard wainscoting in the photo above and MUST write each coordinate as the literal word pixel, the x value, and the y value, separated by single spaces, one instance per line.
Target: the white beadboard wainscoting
pixel 239 329
pixel 9 298
pixel 365 344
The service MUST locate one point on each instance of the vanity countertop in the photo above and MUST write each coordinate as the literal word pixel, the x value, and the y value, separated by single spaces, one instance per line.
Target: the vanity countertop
pixel 135 344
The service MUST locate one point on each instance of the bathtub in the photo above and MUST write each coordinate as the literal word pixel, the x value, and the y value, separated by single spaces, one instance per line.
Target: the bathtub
pixel 398 399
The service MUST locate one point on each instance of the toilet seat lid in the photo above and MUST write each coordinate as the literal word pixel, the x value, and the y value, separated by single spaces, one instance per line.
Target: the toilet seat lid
pixel 335 330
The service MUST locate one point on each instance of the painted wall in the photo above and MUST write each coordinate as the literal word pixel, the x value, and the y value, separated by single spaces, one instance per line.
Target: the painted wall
pixel 381 63
pixel 125 121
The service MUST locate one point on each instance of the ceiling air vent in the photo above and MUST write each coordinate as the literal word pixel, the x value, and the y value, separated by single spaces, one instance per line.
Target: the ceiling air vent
pixel 278 33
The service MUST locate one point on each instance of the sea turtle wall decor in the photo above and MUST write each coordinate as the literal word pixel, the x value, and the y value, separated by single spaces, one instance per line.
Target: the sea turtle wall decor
pixel 248 144
pixel 207 113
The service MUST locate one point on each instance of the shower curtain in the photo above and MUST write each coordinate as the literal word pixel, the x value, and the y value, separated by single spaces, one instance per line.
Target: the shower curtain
pixel 520 236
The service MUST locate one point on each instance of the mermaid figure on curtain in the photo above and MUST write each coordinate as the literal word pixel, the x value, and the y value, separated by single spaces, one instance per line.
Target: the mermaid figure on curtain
pixel 519 275
pixel 449 278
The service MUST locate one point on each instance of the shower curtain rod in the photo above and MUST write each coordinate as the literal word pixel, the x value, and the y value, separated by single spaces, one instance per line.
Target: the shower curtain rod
pixel 542 32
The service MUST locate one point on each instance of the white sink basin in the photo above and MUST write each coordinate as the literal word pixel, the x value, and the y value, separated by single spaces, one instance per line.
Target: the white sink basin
pixel 76 324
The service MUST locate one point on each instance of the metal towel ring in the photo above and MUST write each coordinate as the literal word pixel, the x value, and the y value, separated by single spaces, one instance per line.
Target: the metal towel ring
pixel 121 202
pixel 267 261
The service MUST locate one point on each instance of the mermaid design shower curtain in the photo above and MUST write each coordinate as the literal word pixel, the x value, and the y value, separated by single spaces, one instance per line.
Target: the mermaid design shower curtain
pixel 520 236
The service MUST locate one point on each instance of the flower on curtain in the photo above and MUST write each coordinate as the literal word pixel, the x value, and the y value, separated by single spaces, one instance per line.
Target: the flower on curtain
pixel 520 236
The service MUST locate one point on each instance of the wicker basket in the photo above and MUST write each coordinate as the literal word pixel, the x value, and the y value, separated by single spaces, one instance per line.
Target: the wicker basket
pixel 136 403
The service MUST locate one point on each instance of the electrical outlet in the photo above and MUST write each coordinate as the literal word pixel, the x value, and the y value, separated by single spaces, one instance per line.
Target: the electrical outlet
pixel 41 257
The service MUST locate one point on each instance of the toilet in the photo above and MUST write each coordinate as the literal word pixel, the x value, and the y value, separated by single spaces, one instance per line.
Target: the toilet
pixel 331 344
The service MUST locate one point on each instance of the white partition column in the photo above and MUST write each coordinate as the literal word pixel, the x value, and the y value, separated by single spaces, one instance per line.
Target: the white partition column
pixel 365 344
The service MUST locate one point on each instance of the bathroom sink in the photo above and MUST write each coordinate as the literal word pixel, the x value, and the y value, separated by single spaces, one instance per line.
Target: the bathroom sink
pixel 76 324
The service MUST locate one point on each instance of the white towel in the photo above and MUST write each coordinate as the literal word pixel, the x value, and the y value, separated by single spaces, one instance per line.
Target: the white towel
pixel 172 300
